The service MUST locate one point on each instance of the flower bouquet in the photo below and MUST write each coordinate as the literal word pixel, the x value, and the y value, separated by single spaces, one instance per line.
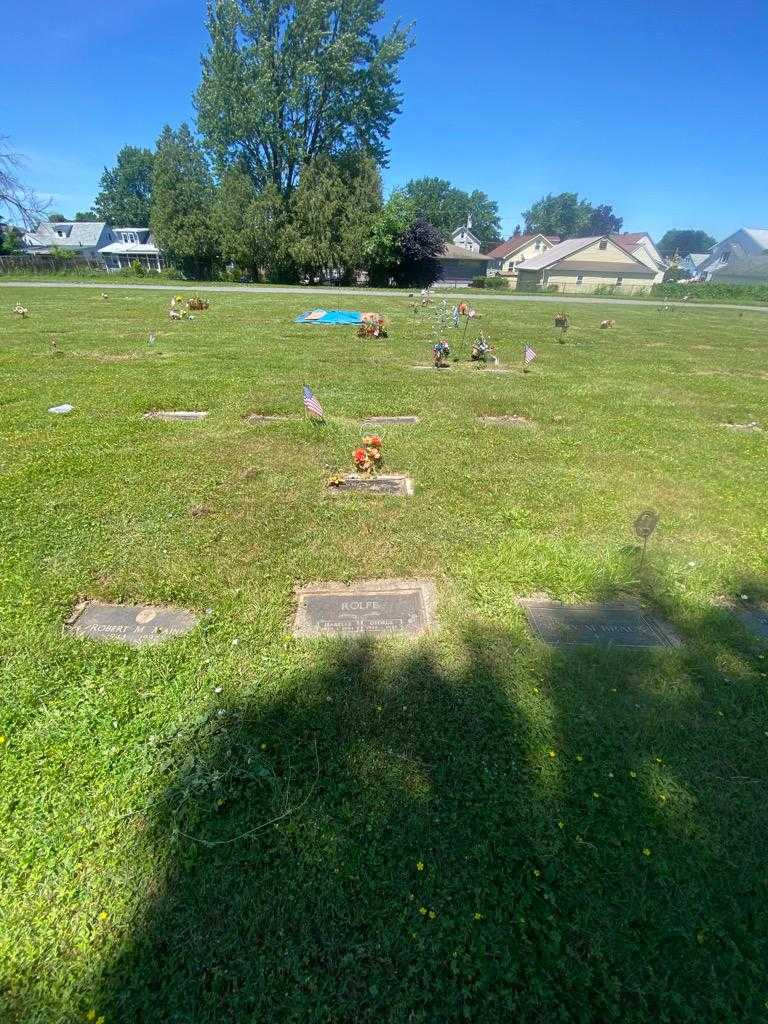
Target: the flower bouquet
pixel 368 457
pixel 372 326
pixel 20 310
pixel 481 350
pixel 197 303
pixel 440 352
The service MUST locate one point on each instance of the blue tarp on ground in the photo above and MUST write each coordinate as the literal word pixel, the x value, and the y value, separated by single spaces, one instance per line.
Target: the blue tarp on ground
pixel 330 316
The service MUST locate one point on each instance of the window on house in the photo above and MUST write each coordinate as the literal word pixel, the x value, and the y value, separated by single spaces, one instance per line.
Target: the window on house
pixel 619 280
pixel 603 244
pixel 580 279
pixel 725 257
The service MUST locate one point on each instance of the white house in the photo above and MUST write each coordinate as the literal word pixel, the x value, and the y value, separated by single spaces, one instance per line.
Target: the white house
pixel 517 249
pixel 464 239
pixel 96 241
pixel 582 265
pixel 642 247
pixel 132 244
pixel 744 245
pixel 85 238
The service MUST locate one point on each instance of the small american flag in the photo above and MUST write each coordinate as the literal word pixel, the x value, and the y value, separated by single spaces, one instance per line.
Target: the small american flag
pixel 528 356
pixel 312 405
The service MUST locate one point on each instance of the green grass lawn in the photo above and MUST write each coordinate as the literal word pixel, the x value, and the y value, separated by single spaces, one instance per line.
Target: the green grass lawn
pixel 239 826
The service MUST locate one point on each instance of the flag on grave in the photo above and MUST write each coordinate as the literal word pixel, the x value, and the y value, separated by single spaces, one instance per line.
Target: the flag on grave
pixel 313 407
pixel 528 356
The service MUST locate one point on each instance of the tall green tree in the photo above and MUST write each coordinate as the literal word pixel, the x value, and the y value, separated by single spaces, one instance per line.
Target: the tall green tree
pixel 383 249
pixel 684 241
pixel 181 216
pixel 250 225
pixel 332 212
pixel 570 217
pixel 125 190
pixel 447 207
pixel 286 81
pixel 86 216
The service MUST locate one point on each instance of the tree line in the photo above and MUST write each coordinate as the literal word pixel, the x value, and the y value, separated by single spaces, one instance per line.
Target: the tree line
pixel 281 180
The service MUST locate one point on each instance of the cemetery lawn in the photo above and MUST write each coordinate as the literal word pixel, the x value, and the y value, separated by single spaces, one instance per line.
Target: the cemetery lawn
pixel 240 826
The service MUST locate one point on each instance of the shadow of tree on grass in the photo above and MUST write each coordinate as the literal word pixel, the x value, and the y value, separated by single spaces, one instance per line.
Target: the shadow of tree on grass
pixel 522 835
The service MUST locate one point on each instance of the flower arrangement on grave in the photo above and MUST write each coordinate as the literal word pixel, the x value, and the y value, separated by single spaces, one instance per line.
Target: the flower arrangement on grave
pixel 20 310
pixel 481 350
pixel 372 326
pixel 178 310
pixel 562 321
pixel 440 352
pixel 197 303
pixel 607 324
pixel 368 457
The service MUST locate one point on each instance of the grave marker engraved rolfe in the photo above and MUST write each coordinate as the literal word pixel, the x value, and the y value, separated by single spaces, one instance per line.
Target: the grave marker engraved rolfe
pixel 173 415
pixel 389 421
pixel 608 625
pixel 368 607
pixel 397 485
pixel 137 625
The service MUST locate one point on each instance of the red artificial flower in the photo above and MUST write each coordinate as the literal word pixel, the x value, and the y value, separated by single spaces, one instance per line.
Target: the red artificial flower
pixel 375 441
pixel 359 455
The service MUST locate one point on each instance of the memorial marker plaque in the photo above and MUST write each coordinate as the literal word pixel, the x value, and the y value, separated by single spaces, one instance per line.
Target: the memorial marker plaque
pixel 136 624
pixel 608 625
pixel 398 485
pixel 257 418
pixel 505 421
pixel 754 618
pixel 745 428
pixel 371 606
pixel 172 416
pixel 389 421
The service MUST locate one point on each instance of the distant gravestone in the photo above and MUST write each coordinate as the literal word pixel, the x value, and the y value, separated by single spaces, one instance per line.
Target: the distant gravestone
pixel 755 619
pixel 61 410
pixel 258 418
pixel 371 606
pixel 389 421
pixel 745 428
pixel 173 416
pixel 138 625
pixel 505 421
pixel 608 625
pixel 398 485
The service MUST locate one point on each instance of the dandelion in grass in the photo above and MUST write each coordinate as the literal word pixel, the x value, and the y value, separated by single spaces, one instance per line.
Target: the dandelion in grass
pixel 420 865
pixel 536 873
pixel 478 916
pixel 103 915
pixel 561 824
pixel 2 740
pixel 633 775
pixel 432 915
pixel 422 910
pixel 646 852
pixel 579 758
pixel 553 753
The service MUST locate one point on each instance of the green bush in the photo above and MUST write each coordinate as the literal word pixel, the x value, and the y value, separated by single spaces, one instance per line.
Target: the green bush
pixel 495 283
pixel 711 291
pixel 137 269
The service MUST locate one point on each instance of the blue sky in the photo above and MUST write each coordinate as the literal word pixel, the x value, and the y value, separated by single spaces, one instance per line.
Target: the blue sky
pixel 658 108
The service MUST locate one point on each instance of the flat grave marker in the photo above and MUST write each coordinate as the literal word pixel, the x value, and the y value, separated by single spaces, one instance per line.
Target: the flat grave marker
pixel 753 617
pixel 171 416
pixel 505 421
pixel 368 607
pixel 135 624
pixel 607 625
pixel 401 486
pixel 389 421
pixel 257 418
pixel 744 428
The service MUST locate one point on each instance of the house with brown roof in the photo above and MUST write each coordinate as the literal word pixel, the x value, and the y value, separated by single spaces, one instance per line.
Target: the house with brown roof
pixel 517 249
pixel 459 265
pixel 640 244
pixel 582 265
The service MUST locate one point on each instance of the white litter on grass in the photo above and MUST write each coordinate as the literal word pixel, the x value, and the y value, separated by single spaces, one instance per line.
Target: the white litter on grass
pixel 61 408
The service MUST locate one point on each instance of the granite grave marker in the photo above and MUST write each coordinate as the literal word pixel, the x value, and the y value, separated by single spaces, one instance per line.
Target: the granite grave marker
pixel 137 625
pixel 401 486
pixel 368 607
pixel 607 625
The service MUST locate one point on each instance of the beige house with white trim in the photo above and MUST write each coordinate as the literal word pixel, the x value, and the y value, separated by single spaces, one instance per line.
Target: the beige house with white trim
pixel 582 265
pixel 517 249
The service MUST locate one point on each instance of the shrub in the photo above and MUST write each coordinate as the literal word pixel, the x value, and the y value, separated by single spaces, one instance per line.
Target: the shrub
pixel 711 291
pixel 137 269
pixel 496 283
